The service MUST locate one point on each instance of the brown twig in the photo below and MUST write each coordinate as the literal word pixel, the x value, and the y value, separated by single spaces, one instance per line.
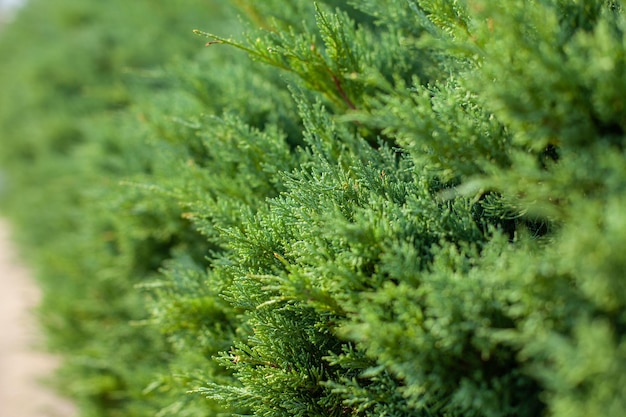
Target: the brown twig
pixel 342 93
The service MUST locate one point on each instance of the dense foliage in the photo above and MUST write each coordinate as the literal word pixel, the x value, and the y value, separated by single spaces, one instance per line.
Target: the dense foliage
pixel 354 208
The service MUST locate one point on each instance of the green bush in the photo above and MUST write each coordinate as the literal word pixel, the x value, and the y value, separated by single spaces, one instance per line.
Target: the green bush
pixel 362 208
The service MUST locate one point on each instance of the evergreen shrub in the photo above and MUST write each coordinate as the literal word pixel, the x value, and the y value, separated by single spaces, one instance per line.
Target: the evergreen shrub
pixel 356 208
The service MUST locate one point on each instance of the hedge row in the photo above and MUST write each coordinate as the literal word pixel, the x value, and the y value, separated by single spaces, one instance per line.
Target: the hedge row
pixel 361 208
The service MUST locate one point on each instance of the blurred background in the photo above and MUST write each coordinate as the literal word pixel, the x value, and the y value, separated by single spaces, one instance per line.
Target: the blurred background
pixel 78 83
pixel 7 8
pixel 24 366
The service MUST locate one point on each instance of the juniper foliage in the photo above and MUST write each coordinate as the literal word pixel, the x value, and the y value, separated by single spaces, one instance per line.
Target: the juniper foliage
pixel 398 208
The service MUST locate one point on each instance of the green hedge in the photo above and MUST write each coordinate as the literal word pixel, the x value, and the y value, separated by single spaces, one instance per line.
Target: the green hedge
pixel 361 208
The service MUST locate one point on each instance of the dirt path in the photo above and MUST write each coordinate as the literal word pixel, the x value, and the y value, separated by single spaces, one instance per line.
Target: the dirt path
pixel 21 365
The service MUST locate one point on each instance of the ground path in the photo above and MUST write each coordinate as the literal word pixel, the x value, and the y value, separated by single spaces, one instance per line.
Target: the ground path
pixel 22 365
